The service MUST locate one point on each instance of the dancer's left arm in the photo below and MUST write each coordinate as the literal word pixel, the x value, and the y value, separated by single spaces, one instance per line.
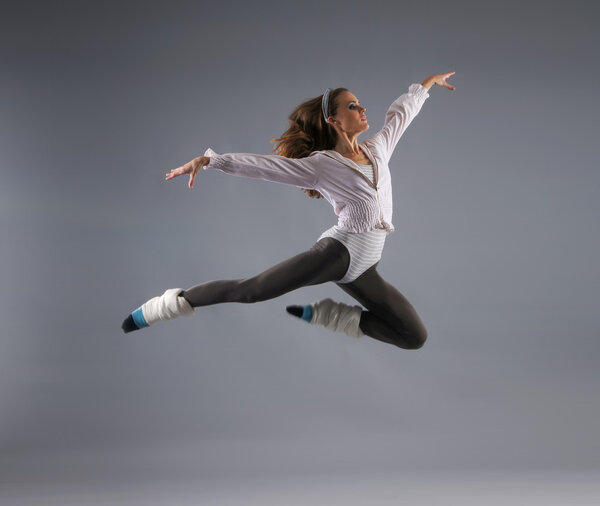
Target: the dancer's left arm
pixel 300 172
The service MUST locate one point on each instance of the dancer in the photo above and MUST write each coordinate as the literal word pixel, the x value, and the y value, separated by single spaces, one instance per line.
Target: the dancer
pixel 320 154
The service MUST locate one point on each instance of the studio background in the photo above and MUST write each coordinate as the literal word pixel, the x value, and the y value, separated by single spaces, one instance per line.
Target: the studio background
pixel 496 246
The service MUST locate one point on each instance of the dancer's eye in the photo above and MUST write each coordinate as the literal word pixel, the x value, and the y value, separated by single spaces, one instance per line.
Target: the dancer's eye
pixel 352 106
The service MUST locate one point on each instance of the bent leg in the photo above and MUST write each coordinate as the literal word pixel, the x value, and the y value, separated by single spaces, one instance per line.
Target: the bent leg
pixel 327 260
pixel 389 317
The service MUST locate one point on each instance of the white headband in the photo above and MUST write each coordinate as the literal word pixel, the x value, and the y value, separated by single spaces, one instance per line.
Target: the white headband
pixel 325 103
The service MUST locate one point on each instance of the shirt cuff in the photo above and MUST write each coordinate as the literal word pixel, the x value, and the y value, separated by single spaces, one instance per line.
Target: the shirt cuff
pixel 418 90
pixel 215 160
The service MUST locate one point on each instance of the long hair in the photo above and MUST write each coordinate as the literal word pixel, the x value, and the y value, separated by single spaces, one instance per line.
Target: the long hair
pixel 308 131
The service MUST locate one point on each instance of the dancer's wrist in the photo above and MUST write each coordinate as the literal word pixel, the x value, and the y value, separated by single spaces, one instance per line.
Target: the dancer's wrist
pixel 428 83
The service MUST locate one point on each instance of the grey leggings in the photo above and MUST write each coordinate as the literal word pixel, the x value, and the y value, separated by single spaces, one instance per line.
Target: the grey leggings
pixel 389 317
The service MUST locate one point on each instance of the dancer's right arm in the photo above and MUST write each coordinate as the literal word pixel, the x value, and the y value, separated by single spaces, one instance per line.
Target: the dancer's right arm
pixel 301 172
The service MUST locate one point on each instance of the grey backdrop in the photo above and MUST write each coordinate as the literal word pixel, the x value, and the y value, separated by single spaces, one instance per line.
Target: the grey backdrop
pixel 496 245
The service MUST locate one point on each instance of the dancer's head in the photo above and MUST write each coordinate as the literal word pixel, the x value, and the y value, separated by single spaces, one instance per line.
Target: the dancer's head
pixel 347 117
pixel 309 132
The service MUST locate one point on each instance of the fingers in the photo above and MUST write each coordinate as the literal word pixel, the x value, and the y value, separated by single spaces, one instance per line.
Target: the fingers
pixel 192 168
pixel 173 173
pixel 193 174
pixel 444 83
pixel 179 171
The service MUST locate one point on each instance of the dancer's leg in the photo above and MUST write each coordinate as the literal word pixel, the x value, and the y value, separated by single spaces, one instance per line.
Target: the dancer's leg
pixel 389 317
pixel 327 260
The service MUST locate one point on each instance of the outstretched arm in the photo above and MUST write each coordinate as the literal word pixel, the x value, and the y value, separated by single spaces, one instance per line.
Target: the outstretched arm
pixel 403 110
pixel 399 115
pixel 301 172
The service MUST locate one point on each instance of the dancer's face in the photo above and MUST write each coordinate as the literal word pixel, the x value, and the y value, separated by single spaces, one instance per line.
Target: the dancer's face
pixel 350 117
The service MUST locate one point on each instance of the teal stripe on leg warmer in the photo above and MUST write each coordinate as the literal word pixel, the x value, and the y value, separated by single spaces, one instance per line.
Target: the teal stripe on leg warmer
pixel 138 318
pixel 307 313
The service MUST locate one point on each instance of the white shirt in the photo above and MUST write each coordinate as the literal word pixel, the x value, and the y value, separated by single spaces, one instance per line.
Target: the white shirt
pixel 359 203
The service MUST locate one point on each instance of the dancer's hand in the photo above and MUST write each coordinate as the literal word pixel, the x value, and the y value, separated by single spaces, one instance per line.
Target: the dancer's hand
pixel 192 168
pixel 439 79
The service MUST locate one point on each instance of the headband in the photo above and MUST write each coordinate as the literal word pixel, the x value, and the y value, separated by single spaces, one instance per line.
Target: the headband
pixel 325 103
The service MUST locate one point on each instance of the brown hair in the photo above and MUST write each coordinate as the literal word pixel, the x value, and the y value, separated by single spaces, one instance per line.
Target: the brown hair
pixel 308 131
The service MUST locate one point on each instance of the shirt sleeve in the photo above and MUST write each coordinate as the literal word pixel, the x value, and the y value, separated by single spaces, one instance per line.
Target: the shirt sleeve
pixel 301 172
pixel 399 115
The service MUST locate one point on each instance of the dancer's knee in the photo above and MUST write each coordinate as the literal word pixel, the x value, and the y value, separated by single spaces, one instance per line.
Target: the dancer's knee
pixel 405 337
pixel 415 339
pixel 410 331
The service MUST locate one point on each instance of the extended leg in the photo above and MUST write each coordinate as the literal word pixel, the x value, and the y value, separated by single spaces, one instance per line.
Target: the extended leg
pixel 389 317
pixel 327 260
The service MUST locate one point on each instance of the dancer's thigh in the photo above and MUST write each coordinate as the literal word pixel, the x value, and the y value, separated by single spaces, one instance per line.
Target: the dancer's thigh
pixel 327 260
pixel 385 301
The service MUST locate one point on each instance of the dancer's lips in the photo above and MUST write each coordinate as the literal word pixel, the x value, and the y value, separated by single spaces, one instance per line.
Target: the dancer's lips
pixel 364 118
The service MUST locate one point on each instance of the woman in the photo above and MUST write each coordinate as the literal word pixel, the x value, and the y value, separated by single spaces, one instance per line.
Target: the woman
pixel 320 154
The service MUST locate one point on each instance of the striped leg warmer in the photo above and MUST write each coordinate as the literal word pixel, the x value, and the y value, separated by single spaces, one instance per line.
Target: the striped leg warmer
pixel 335 316
pixel 166 307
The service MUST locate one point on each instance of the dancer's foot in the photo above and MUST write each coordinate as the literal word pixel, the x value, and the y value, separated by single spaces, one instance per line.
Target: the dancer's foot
pixel 166 307
pixel 129 325
pixel 335 316
pixel 303 312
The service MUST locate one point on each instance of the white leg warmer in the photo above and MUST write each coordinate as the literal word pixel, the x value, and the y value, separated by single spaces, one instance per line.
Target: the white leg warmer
pixel 166 307
pixel 338 317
